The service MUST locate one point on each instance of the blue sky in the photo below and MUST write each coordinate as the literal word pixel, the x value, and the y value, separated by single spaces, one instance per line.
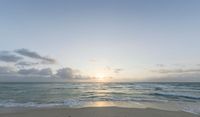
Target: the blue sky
pixel 96 37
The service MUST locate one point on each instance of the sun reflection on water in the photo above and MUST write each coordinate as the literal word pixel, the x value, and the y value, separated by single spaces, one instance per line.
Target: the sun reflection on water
pixel 102 104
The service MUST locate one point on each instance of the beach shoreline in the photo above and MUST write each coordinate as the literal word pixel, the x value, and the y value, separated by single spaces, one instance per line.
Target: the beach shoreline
pixel 95 112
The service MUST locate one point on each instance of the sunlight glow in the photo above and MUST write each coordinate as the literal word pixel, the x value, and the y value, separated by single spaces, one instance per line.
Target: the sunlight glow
pixel 101 77
pixel 102 104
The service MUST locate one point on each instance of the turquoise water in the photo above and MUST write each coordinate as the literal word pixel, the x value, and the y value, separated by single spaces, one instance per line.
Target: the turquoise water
pixel 181 96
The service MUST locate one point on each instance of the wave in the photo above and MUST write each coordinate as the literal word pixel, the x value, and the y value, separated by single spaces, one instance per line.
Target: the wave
pixel 73 102
pixel 117 99
pixel 13 103
pixel 175 95
pixel 28 104
pixel 195 109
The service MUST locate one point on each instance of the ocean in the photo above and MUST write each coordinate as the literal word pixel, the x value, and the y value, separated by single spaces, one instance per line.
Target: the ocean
pixel 167 96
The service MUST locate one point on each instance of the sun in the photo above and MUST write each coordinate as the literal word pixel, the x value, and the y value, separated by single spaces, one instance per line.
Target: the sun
pixel 101 77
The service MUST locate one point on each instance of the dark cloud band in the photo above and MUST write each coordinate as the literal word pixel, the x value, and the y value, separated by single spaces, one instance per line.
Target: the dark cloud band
pixel 9 57
pixel 34 55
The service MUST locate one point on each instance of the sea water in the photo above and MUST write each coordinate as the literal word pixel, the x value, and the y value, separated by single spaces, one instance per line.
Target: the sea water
pixel 169 96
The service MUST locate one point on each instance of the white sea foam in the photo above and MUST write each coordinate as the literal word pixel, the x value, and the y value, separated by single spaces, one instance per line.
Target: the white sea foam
pixel 191 108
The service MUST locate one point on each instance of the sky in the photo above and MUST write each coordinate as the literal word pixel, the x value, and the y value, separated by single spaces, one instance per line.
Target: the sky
pixel 100 40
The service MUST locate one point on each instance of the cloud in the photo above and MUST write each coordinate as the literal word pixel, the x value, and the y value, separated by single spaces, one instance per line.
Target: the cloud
pixel 70 74
pixel 36 72
pixel 183 77
pixel 26 63
pixel 113 70
pixel 176 75
pixel 168 71
pixel 197 64
pixel 46 71
pixel 34 55
pixel 7 70
pixel 4 52
pixel 65 73
pixel 93 60
pixel 117 70
pixel 160 65
pixel 22 68
pixel 62 73
pixel 7 57
pixel 10 71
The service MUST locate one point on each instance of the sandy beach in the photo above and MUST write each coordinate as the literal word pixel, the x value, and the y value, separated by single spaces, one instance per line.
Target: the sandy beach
pixel 97 112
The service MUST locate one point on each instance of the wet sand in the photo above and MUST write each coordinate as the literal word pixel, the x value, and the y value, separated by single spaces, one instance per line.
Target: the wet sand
pixel 96 112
